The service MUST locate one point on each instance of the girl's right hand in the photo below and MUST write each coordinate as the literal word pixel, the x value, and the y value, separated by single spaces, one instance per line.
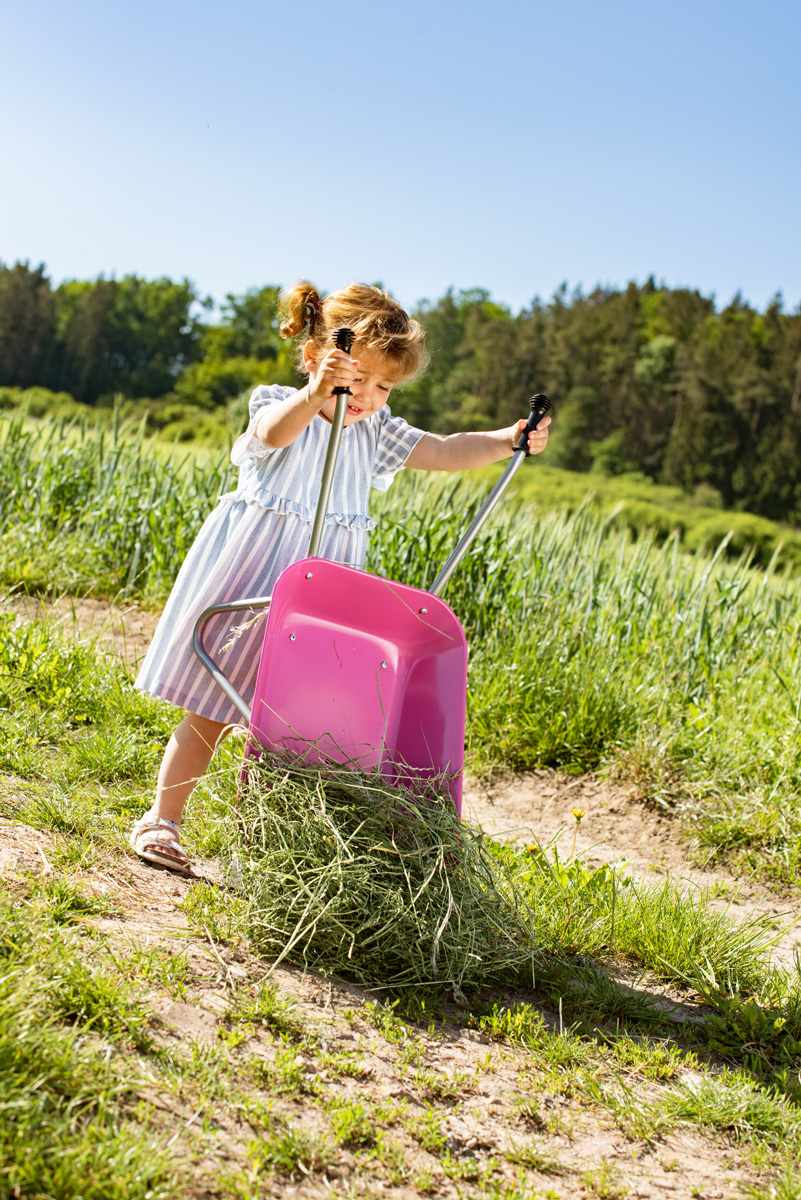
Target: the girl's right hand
pixel 335 369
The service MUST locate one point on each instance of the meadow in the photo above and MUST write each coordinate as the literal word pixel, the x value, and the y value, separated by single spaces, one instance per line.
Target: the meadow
pixel 608 1026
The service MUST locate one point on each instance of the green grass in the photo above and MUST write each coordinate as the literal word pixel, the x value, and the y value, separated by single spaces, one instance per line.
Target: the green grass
pixel 98 512
pixel 578 912
pixel 62 1096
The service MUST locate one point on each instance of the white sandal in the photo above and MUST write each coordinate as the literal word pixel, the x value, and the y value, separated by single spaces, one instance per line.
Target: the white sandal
pixel 162 847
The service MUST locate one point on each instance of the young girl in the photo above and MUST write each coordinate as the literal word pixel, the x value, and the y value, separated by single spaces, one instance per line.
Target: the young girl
pixel 262 527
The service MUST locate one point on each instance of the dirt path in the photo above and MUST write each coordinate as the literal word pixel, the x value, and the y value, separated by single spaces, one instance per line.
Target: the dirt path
pixel 615 828
pixel 125 630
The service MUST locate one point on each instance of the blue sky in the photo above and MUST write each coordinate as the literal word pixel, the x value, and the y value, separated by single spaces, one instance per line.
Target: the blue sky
pixel 510 146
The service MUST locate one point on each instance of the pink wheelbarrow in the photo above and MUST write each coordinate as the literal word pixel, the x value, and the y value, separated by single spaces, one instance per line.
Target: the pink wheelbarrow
pixel 356 669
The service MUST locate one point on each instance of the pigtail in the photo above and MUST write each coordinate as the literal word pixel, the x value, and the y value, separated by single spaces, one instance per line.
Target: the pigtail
pixel 302 309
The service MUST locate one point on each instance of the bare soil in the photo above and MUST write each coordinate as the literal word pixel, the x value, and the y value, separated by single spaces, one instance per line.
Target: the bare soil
pixel 604 822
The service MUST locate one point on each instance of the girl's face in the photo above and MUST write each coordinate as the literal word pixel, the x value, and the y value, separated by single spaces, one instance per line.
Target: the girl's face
pixel 370 389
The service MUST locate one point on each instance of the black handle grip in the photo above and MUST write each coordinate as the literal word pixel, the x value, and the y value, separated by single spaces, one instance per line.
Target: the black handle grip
pixel 540 406
pixel 343 339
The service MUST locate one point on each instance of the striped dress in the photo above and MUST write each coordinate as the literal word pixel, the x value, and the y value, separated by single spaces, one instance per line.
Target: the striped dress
pixel 253 534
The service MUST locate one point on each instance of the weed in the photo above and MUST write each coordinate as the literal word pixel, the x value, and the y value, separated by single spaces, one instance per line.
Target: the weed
pixel 344 1064
pixel 660 1062
pixel 352 1125
pixel 605 1182
pixel 426 1129
pixel 442 1087
pixel 284 1074
pixel 390 1155
pixel 528 1155
pixel 169 969
pixel 64 903
pixel 382 1016
pixel 215 914
pixel 266 1008
pixel 288 1151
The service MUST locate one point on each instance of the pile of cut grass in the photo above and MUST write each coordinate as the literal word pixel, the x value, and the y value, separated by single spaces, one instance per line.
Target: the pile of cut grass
pixel 348 875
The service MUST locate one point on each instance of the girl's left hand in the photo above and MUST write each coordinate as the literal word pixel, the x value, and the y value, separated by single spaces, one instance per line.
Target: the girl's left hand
pixel 538 440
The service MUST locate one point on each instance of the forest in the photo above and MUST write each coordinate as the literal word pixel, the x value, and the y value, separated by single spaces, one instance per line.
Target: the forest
pixel 648 380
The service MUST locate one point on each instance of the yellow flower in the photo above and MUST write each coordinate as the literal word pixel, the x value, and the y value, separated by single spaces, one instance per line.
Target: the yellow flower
pixel 579 814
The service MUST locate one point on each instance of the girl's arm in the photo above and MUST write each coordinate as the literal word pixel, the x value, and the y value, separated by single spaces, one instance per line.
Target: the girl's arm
pixel 280 424
pixel 461 451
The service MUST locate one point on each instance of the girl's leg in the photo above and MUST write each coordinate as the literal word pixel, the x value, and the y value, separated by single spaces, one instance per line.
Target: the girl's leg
pixel 185 759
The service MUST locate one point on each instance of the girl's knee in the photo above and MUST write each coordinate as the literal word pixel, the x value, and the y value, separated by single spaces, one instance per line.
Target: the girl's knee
pixel 208 731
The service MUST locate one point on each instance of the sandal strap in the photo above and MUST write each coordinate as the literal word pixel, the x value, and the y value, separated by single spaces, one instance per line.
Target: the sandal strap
pixel 150 822
pixel 163 827
pixel 163 824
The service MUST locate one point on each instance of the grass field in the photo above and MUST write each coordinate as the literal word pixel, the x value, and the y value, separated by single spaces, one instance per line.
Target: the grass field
pixel 635 1040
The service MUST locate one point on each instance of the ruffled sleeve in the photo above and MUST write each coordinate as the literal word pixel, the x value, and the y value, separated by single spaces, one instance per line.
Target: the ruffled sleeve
pixel 247 445
pixel 396 440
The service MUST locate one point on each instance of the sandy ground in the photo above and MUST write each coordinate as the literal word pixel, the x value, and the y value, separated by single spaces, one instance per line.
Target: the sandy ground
pixel 616 828
pixel 124 629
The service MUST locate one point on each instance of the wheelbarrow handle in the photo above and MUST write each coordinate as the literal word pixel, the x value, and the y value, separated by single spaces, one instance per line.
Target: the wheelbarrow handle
pixel 540 407
pixel 344 341
pixel 216 672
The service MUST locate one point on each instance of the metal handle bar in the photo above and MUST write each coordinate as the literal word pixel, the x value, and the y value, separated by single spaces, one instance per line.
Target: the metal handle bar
pixel 540 407
pixel 328 474
pixel 463 545
pixel 211 666
pixel 343 339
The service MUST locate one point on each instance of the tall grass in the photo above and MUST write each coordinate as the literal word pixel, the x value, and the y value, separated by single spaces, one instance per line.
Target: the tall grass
pixel 93 511
pixel 587 648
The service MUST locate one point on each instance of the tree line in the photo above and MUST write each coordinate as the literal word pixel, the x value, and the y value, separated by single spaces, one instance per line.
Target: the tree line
pixel 646 378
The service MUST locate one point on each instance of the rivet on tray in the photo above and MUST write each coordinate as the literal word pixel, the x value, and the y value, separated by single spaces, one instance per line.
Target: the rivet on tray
pixel 422 610
pixel 291 637
pixel 308 574
pixel 383 664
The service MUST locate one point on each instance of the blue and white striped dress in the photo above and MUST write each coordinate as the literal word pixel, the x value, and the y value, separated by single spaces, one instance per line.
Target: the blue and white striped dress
pixel 253 534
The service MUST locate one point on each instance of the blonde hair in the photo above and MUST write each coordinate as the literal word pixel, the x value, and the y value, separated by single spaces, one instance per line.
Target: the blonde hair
pixel 377 320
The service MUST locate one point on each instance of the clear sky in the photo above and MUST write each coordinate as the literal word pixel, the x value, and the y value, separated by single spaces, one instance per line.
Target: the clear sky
pixel 427 144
